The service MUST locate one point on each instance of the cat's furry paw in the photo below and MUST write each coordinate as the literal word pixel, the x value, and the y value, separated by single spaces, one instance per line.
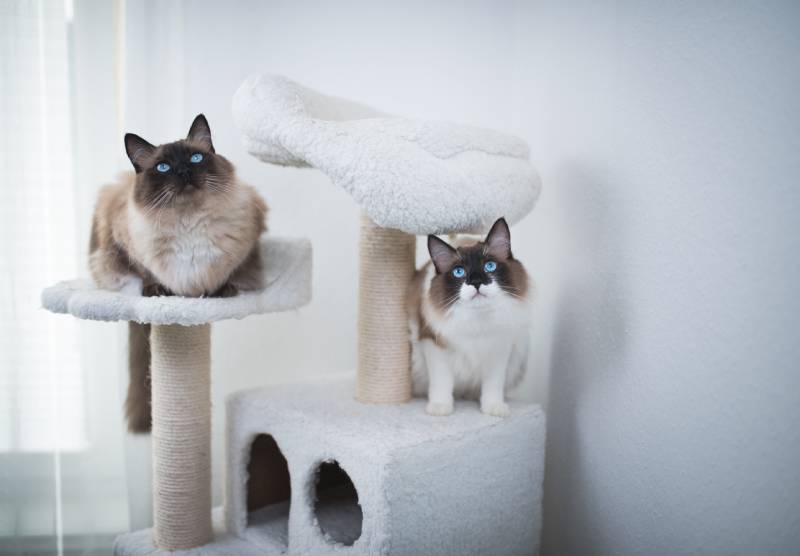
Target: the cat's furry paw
pixel 496 409
pixel 154 290
pixel 225 290
pixel 439 408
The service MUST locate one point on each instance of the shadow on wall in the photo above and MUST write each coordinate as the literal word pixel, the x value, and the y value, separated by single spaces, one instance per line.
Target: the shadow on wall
pixel 589 339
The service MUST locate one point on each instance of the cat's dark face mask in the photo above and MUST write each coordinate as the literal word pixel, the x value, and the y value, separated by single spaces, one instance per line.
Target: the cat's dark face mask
pixel 180 170
pixel 476 273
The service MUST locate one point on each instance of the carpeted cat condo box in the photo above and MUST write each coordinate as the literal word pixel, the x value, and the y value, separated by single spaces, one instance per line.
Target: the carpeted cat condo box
pixel 313 472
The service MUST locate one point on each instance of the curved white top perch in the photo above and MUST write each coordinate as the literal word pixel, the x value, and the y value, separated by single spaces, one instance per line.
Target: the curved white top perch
pixel 416 176
pixel 287 275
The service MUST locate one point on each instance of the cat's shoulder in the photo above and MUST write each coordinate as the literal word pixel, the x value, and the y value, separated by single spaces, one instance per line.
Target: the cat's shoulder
pixel 251 196
pixel 251 201
pixel 112 196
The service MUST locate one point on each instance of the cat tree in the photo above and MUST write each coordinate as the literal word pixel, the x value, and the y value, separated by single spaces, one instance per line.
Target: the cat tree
pixel 311 470
pixel 181 376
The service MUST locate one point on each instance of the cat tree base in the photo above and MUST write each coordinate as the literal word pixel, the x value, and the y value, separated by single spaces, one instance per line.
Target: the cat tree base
pixel 311 472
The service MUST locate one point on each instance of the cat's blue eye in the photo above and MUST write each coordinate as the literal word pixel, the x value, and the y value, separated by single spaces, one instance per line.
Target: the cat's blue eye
pixel 490 266
pixel 162 167
pixel 196 157
pixel 459 272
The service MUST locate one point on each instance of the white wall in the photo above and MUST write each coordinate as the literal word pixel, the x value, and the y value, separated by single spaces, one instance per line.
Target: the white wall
pixel 664 245
pixel 668 135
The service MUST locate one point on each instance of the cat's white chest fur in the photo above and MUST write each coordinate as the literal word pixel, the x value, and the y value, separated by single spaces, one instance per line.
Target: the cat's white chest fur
pixel 480 351
pixel 181 252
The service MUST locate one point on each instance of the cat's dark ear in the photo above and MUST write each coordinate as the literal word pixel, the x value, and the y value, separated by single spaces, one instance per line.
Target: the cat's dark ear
pixel 138 150
pixel 498 240
pixel 200 132
pixel 442 255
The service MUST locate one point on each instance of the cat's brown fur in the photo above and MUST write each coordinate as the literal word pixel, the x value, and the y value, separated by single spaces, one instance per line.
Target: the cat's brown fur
pixel 414 302
pixel 191 230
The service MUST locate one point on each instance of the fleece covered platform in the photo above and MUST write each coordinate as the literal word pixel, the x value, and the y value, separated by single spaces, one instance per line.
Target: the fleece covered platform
pixel 417 176
pixel 287 276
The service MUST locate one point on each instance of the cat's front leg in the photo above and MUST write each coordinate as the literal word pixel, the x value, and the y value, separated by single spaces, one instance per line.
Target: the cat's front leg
pixel 154 289
pixel 493 385
pixel 440 379
pixel 225 290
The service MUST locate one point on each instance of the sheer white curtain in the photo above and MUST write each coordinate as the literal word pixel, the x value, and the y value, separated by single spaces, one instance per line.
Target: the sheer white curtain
pixel 42 407
pixel 64 460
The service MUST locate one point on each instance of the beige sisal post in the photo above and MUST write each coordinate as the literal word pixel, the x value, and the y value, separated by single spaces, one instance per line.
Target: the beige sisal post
pixel 384 354
pixel 181 377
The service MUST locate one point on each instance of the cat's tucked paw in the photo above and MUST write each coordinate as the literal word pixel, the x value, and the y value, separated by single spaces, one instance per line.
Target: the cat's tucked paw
pixel 226 290
pixel 439 408
pixel 496 409
pixel 154 290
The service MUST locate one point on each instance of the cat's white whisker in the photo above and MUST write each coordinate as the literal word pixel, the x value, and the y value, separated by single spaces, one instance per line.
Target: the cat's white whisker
pixel 155 205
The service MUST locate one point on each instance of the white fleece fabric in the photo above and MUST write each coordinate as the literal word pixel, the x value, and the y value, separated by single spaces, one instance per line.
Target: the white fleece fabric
pixel 287 276
pixel 418 176
pixel 466 484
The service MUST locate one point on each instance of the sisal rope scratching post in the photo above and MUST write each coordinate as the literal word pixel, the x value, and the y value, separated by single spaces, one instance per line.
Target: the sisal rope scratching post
pixel 181 385
pixel 384 354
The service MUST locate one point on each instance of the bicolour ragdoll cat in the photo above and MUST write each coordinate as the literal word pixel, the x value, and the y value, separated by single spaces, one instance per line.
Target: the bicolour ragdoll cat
pixel 469 317
pixel 181 224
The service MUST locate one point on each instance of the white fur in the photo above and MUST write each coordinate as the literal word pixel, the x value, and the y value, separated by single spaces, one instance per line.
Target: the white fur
pixel 485 351
pixel 191 250
pixel 194 260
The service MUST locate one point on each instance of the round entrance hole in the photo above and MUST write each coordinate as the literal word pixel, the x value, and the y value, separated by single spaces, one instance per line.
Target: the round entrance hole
pixel 336 504
pixel 268 491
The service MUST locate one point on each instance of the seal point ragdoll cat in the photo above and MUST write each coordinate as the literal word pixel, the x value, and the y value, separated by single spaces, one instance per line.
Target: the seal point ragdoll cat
pixel 469 316
pixel 180 224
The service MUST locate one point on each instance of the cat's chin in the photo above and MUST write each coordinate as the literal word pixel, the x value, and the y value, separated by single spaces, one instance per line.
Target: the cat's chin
pixel 189 196
pixel 476 300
